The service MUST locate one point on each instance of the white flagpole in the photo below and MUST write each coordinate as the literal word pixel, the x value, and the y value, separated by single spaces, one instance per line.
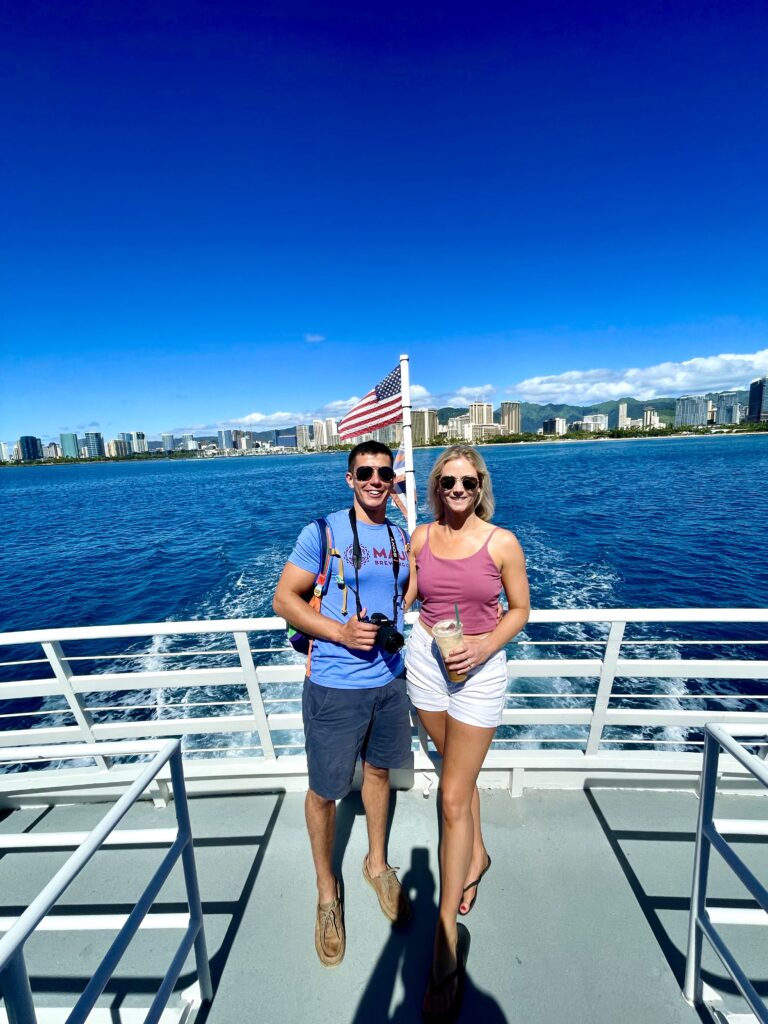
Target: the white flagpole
pixel 410 477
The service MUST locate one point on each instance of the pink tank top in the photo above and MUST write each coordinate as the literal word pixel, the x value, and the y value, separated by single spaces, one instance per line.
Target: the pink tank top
pixel 474 583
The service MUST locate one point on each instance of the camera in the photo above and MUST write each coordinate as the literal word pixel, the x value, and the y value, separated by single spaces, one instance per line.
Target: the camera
pixel 388 638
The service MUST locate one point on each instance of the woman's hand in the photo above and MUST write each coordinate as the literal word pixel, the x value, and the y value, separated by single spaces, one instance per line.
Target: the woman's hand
pixel 474 652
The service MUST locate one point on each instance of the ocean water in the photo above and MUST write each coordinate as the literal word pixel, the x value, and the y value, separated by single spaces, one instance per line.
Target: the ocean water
pixel 651 523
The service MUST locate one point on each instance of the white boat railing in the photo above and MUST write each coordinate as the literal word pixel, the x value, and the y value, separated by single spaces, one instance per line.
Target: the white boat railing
pixel 710 834
pixel 85 696
pixel 14 978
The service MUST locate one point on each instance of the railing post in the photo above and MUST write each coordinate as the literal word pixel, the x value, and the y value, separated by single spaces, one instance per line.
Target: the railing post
pixel 692 989
pixel 63 673
pixel 17 992
pixel 254 692
pixel 605 686
pixel 190 874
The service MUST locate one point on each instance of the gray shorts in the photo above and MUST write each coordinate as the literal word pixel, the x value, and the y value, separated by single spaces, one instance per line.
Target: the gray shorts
pixel 342 725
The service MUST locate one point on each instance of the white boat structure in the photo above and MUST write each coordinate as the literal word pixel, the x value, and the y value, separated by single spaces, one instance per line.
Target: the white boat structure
pixel 591 805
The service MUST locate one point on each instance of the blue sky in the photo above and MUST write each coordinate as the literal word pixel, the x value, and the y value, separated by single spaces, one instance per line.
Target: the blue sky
pixel 244 213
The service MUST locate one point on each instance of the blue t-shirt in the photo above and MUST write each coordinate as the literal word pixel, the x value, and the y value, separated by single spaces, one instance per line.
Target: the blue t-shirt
pixel 332 664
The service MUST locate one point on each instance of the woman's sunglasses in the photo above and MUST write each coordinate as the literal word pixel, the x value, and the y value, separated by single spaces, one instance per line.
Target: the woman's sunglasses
pixel 469 483
pixel 386 473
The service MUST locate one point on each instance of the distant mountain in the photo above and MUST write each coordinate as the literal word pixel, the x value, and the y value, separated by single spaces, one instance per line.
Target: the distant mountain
pixel 532 414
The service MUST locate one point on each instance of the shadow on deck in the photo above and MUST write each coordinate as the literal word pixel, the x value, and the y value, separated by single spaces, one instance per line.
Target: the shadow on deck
pixel 583 916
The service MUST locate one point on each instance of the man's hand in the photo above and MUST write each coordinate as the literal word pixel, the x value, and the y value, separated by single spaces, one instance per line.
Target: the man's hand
pixel 357 635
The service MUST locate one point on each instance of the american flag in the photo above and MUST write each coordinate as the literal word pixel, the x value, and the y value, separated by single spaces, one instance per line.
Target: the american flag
pixel 380 407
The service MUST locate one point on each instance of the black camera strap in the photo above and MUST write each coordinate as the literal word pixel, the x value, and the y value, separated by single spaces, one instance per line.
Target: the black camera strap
pixel 357 561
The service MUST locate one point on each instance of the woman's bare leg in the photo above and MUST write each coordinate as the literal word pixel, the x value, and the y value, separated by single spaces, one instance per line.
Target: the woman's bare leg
pixel 434 723
pixel 464 750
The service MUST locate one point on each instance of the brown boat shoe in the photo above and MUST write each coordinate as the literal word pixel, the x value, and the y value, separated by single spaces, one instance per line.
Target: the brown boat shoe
pixel 330 937
pixel 393 899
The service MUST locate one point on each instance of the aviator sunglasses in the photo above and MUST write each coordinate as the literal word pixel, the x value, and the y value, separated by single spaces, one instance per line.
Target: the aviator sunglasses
pixel 386 473
pixel 470 483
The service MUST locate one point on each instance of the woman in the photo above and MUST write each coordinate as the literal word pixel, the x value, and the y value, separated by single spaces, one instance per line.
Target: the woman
pixel 461 559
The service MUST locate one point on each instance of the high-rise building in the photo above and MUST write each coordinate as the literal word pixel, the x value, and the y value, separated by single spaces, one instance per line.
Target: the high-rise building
pixel 188 443
pixel 94 443
pixel 168 442
pixel 690 411
pixel 302 436
pixel 556 426
pixel 418 426
pixel 318 430
pixel 651 419
pixel 757 411
pixel 457 426
pixel 594 422
pixel 225 440
pixel 30 448
pixel 623 418
pixel 118 449
pixel 52 450
pixel 332 432
pixel 510 418
pixel 480 412
pixel 423 425
pixel 476 433
pixel 70 446
pixel 285 437
pixel 128 438
pixel 139 442
pixel 391 435
pixel 5 455
pixel 727 408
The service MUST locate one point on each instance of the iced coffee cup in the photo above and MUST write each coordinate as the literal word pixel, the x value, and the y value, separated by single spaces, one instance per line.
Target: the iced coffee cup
pixel 448 635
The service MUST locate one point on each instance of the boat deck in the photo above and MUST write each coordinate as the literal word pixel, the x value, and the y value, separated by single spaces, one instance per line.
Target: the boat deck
pixel 582 918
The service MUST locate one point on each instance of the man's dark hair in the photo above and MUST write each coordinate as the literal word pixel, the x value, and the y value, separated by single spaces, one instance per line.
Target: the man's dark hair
pixel 369 448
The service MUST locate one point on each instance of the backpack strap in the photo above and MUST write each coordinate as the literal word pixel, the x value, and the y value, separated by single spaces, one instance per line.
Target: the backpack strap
pixel 323 579
pixel 326 553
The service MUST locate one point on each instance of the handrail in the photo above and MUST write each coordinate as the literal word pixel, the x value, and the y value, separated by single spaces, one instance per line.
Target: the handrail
pixel 538 615
pixel 13 971
pixel 264 729
pixel 710 832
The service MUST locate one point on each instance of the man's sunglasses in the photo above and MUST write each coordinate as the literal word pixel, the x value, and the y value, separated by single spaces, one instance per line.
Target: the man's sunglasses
pixel 386 473
pixel 470 483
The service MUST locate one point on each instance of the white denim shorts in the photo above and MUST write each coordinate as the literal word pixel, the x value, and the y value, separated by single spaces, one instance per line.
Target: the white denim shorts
pixel 479 701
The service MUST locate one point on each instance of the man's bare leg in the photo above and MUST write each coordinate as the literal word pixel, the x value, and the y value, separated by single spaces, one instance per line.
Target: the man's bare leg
pixel 320 815
pixel 376 795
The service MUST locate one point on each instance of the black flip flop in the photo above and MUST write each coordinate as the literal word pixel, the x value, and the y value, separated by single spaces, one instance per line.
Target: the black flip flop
pixel 437 987
pixel 474 885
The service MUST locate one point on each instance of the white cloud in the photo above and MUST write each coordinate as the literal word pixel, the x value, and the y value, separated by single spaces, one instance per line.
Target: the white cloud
pixel 463 396
pixel 421 398
pixel 692 376
pixel 337 408
pixel 313 339
pixel 263 421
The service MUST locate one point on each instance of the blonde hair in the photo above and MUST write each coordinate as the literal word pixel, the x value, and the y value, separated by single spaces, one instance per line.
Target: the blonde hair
pixel 484 503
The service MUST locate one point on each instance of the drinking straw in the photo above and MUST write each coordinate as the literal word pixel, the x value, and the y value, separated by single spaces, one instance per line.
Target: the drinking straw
pixel 458 620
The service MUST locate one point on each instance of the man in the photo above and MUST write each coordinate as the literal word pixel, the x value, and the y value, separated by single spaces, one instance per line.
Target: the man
pixel 354 701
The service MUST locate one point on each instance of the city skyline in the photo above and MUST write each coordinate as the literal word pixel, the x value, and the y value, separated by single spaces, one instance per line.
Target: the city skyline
pixel 231 214
pixel 478 424
pixel 667 380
